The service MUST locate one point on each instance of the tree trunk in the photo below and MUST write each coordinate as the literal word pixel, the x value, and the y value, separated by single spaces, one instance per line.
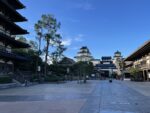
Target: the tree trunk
pixel 45 68
pixel 38 64
pixel 39 47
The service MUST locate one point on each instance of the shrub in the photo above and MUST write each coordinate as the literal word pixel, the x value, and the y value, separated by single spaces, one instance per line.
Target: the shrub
pixel 34 78
pixel 5 79
pixel 53 78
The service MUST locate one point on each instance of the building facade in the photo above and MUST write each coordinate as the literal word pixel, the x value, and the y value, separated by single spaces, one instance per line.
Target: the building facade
pixel 8 31
pixel 106 67
pixel 141 59
pixel 83 55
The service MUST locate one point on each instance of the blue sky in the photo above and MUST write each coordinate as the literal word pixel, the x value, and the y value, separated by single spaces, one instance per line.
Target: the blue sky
pixel 103 25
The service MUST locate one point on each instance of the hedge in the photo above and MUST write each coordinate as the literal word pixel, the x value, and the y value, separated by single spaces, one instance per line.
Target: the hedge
pixel 5 80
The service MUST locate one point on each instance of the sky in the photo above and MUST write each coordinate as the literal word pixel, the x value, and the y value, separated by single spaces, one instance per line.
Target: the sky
pixel 104 26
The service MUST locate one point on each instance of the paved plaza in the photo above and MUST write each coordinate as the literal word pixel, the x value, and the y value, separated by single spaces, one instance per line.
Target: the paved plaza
pixel 93 97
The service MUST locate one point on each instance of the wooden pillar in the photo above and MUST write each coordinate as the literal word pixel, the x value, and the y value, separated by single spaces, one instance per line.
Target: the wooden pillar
pixel 143 75
pixel 147 75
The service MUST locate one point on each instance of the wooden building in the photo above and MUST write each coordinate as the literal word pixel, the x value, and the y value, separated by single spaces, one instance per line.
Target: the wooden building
pixel 8 31
pixel 141 59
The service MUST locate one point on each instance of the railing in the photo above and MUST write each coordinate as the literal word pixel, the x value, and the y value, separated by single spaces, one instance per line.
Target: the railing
pixel 143 66
pixel 2 30
pixel 6 16
pixel 4 49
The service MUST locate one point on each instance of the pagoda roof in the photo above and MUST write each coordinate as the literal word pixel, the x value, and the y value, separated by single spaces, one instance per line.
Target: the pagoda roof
pixel 84 47
pixel 13 14
pixel 12 56
pixel 82 52
pixel 16 4
pixel 13 42
pixel 140 52
pixel 117 52
pixel 83 56
pixel 15 29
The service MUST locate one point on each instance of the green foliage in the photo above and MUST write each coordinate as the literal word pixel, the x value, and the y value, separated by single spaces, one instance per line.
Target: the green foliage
pixel 136 74
pixel 34 78
pixel 22 39
pixel 31 53
pixel 83 68
pixel 134 71
pixel 57 55
pixel 5 80
pixel 58 70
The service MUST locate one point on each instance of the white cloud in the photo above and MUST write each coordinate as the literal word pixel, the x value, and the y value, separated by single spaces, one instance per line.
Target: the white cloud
pixel 67 42
pixel 79 38
pixel 49 60
pixel 84 6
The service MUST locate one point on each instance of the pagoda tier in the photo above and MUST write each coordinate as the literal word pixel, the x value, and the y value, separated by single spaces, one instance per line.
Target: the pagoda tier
pixel 84 54
pixel 8 26
pixel 8 11
pixel 12 56
pixel 11 41
pixel 16 4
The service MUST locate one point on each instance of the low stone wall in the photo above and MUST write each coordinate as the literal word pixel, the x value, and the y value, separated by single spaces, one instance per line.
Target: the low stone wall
pixel 6 86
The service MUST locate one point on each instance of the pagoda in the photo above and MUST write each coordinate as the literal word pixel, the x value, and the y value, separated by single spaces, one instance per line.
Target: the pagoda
pixel 8 31
pixel 84 55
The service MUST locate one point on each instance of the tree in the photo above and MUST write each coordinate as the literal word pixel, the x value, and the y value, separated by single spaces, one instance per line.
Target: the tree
pixel 83 69
pixel 30 53
pixel 47 28
pixel 57 55
pixel 34 45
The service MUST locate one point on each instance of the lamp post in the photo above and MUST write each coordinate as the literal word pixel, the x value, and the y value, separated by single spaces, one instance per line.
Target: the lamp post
pixel 68 71
pixel 39 70
pixel 110 74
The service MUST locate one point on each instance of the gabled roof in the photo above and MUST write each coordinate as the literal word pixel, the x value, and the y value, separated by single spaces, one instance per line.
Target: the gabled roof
pixel 140 52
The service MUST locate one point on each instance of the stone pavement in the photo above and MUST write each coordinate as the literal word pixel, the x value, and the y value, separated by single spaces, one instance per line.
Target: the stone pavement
pixel 93 97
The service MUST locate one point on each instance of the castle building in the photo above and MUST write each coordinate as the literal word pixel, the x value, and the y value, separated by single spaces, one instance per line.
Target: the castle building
pixel 106 66
pixel 84 55
pixel 8 31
